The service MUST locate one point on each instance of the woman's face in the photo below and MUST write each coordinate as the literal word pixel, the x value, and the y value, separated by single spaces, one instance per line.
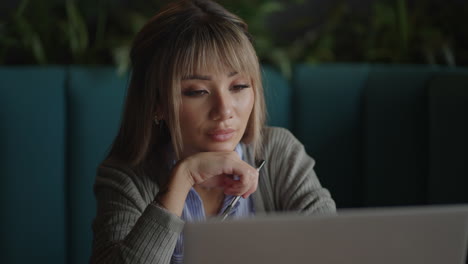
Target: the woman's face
pixel 215 110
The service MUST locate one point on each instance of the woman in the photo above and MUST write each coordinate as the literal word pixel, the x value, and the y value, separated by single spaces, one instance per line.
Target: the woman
pixel 193 118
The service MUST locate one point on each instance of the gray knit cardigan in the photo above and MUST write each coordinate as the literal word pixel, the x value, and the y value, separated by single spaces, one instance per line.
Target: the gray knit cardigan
pixel 131 228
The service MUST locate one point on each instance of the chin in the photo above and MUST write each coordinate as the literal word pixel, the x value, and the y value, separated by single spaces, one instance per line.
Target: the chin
pixel 218 147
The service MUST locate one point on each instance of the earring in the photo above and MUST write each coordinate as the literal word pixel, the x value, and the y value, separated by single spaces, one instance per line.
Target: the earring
pixel 156 120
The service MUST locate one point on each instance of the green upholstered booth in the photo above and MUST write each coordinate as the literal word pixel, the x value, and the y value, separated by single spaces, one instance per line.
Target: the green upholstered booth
pixel 395 136
pixel 32 165
pixel 327 118
pixel 448 137
pixel 95 98
pixel 278 97
pixel 380 135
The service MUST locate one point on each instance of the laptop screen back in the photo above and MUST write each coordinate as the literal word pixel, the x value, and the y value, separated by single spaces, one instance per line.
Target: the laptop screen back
pixel 426 235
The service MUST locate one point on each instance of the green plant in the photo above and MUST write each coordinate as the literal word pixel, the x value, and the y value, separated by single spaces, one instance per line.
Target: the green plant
pixel 392 32
pixel 256 13
pixel 101 32
pixel 20 32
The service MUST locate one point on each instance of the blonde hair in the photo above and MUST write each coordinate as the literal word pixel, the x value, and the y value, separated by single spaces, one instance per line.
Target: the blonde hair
pixel 181 40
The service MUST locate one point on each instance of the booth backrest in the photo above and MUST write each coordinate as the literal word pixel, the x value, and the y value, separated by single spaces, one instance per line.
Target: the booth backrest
pixel 95 102
pixel 381 135
pixel 385 135
pixel 448 137
pixel 327 107
pixel 33 183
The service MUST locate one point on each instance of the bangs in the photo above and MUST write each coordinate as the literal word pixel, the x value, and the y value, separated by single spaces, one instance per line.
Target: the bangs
pixel 216 49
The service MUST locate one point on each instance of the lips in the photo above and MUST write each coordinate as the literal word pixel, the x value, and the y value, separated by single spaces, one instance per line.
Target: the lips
pixel 221 135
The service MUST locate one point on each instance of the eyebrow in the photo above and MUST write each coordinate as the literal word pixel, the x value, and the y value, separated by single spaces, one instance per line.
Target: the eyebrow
pixel 204 77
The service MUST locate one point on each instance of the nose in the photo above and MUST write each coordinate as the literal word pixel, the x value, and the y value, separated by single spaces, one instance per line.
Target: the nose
pixel 222 107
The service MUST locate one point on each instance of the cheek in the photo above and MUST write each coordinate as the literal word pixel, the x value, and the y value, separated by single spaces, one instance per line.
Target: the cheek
pixel 189 116
pixel 246 104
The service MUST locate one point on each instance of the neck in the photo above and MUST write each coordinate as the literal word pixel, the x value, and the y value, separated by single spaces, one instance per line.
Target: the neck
pixel 211 192
pixel 212 199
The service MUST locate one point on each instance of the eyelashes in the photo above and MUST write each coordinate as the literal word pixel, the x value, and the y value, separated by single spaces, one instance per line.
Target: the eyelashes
pixel 202 92
pixel 195 93
pixel 239 87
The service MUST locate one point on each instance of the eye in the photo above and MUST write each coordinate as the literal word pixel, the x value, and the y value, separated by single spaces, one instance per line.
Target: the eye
pixel 195 93
pixel 239 87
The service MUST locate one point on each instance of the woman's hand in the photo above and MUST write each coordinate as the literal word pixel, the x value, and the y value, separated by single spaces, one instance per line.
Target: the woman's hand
pixel 217 169
pixel 209 169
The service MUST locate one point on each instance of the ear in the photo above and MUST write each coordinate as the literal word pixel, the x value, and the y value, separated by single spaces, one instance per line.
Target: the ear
pixel 158 114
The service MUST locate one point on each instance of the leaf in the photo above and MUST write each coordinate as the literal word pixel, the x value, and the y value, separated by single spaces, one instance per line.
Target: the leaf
pixel 30 39
pixel 280 59
pixel 270 7
pixel 38 49
pixel 448 55
pixel 121 57
pixel 77 30
pixel 101 25
pixel 137 21
pixel 21 8
pixel 403 25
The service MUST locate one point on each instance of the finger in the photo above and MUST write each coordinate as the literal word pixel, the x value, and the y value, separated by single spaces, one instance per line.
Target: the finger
pixel 246 180
pixel 253 186
pixel 250 191
pixel 250 176
pixel 239 188
pixel 236 190
pixel 228 182
pixel 236 166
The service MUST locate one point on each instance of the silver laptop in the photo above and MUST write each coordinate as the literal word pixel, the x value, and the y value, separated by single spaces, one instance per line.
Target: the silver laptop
pixel 411 235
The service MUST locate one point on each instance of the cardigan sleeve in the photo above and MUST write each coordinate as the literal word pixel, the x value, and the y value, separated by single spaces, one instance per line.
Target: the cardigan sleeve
pixel 128 228
pixel 292 179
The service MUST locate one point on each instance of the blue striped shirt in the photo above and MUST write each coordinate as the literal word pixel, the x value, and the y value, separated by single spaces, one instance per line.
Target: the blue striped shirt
pixel 194 211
